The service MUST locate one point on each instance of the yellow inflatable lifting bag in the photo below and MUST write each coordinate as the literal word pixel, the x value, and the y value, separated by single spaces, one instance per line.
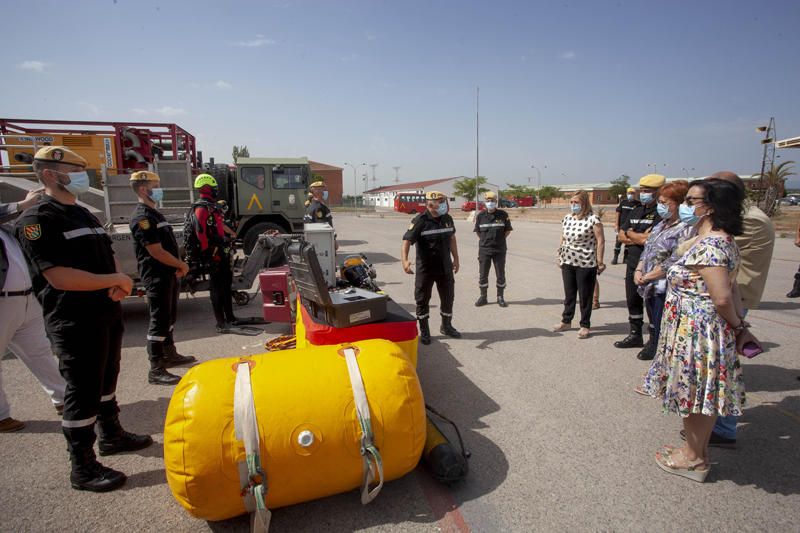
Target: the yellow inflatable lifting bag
pixel 294 391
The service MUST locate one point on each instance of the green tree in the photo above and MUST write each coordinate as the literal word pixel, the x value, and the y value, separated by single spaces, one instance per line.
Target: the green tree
pixel 466 188
pixel 240 151
pixel 620 186
pixel 517 191
pixel 548 193
pixel 774 184
pixel 317 177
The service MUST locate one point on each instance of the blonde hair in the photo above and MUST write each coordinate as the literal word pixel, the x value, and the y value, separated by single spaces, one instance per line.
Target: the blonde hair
pixel 586 204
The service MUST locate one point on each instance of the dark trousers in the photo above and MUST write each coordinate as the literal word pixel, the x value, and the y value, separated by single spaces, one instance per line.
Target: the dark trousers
pixel 578 282
pixel 485 260
pixel 617 247
pixel 423 287
pixel 655 310
pixel 162 301
pixel 221 278
pixel 89 359
pixel 635 302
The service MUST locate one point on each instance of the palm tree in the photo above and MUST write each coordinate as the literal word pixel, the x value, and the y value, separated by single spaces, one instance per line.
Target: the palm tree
pixel 773 183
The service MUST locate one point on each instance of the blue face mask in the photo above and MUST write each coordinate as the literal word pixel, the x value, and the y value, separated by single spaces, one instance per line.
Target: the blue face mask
pixel 157 194
pixel 78 182
pixel 442 210
pixel 663 210
pixel 646 197
pixel 325 195
pixel 630 197
pixel 686 214
pixel 491 206
pixel 576 208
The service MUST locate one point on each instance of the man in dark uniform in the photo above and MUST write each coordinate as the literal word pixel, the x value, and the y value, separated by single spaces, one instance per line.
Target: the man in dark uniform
pixel 623 214
pixel 317 211
pixel 434 233
pixel 633 235
pixel 76 279
pixel 160 268
pixel 215 253
pixel 492 227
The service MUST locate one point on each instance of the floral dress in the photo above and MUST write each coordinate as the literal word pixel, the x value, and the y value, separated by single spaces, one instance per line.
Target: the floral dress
pixel 696 369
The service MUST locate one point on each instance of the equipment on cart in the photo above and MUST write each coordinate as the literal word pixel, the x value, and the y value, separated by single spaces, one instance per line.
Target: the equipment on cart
pixel 340 308
pixel 359 273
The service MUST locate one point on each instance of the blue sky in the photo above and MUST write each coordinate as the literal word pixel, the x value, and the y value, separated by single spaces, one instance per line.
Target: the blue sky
pixel 589 89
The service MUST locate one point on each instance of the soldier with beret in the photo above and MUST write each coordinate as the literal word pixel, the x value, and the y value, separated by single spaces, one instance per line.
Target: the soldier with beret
pixel 633 234
pixel 160 268
pixel 434 233
pixel 492 227
pixel 78 283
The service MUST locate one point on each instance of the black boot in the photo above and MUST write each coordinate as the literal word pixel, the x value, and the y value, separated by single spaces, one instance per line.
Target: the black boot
pixel 173 358
pixel 615 259
pixel 88 474
pixel 500 300
pixel 633 340
pixel 113 439
pixel 795 292
pixel 448 329
pixel 424 331
pixel 482 300
pixel 649 351
pixel 158 374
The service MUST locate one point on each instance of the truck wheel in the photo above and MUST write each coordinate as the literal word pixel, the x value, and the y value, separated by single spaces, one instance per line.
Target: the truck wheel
pixel 251 238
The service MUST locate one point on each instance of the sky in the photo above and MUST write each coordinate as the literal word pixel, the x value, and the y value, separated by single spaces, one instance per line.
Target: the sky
pixel 582 90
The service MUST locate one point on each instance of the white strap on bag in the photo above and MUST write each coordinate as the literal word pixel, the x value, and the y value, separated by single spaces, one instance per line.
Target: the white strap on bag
pixel 373 464
pixel 251 474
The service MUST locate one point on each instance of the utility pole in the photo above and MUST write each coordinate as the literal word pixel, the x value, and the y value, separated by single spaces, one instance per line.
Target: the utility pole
pixel 355 185
pixel 396 174
pixel 374 179
pixel 477 143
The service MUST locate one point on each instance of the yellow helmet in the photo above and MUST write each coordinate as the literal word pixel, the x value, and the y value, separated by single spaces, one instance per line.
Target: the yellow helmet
pixel 204 179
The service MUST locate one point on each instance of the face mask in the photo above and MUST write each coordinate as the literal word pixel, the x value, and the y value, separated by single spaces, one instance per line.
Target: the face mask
pixel 663 210
pixel 78 182
pixel 442 210
pixel 686 214
pixel 325 195
pixel 491 206
pixel 576 208
pixel 646 197
pixel 157 194
pixel 630 197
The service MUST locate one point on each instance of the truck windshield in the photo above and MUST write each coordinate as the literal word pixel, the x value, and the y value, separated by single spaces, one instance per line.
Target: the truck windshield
pixel 284 177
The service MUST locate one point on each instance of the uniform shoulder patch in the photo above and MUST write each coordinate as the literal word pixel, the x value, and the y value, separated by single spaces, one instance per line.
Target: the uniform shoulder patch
pixel 319 213
pixel 411 226
pixel 32 231
pixel 144 224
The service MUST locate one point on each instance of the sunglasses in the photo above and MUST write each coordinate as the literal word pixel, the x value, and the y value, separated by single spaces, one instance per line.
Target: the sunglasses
pixel 690 200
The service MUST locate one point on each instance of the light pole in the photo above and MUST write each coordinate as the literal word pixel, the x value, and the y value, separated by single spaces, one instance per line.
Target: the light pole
pixel 355 185
pixel 655 166
pixel 686 171
pixel 538 183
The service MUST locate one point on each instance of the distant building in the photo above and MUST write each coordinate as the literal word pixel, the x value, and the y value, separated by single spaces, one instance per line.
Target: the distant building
pixel 383 197
pixel 332 176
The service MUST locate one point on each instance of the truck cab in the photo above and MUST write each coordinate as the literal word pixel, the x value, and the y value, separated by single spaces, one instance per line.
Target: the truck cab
pixel 267 194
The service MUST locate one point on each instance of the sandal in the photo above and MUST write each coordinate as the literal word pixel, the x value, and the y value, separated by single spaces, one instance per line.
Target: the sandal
pixel 596 304
pixel 561 326
pixel 673 460
pixel 639 389
pixel 584 333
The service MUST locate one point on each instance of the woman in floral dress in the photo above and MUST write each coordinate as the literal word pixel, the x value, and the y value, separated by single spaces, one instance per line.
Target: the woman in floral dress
pixel 696 372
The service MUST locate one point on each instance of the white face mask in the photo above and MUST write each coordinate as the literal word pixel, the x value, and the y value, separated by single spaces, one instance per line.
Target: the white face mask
pixel 78 182
pixel 491 206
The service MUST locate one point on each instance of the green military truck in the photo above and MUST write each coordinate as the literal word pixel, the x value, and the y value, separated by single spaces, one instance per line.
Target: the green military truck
pixel 264 194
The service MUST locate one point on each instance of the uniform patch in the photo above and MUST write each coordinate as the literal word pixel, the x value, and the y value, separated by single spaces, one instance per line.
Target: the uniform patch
pixel 32 231
pixel 319 213
pixel 57 155
pixel 144 224
pixel 411 226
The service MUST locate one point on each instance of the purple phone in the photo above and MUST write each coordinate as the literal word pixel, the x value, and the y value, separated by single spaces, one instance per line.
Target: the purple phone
pixel 751 349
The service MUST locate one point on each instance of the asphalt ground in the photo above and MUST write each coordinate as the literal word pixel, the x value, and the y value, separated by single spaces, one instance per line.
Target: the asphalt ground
pixel 558 438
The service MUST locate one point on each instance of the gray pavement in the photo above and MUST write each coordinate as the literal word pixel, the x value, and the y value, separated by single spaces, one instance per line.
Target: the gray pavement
pixel 558 438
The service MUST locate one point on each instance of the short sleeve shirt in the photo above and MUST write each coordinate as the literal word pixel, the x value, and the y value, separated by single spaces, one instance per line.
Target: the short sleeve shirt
pixel 53 234
pixel 580 245
pixel 432 238
pixel 148 226
pixel 317 212
pixel 491 229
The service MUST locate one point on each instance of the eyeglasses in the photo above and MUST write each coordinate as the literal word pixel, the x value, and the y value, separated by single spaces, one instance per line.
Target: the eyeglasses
pixel 693 200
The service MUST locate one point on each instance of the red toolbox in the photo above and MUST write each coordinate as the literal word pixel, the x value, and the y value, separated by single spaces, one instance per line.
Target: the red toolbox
pixel 277 294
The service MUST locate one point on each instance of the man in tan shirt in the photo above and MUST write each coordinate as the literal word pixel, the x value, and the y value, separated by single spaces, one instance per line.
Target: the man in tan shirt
pixel 755 248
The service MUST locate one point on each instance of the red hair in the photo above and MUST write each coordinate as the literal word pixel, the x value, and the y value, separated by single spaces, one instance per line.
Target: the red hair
pixel 675 190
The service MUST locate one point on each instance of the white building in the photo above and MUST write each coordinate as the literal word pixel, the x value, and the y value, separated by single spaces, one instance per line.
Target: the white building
pixel 383 197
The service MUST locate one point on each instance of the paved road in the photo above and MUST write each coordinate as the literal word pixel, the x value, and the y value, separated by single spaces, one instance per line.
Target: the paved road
pixel 558 439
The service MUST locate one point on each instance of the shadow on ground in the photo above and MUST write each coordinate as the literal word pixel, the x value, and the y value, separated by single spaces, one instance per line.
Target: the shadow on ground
pixel 777 306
